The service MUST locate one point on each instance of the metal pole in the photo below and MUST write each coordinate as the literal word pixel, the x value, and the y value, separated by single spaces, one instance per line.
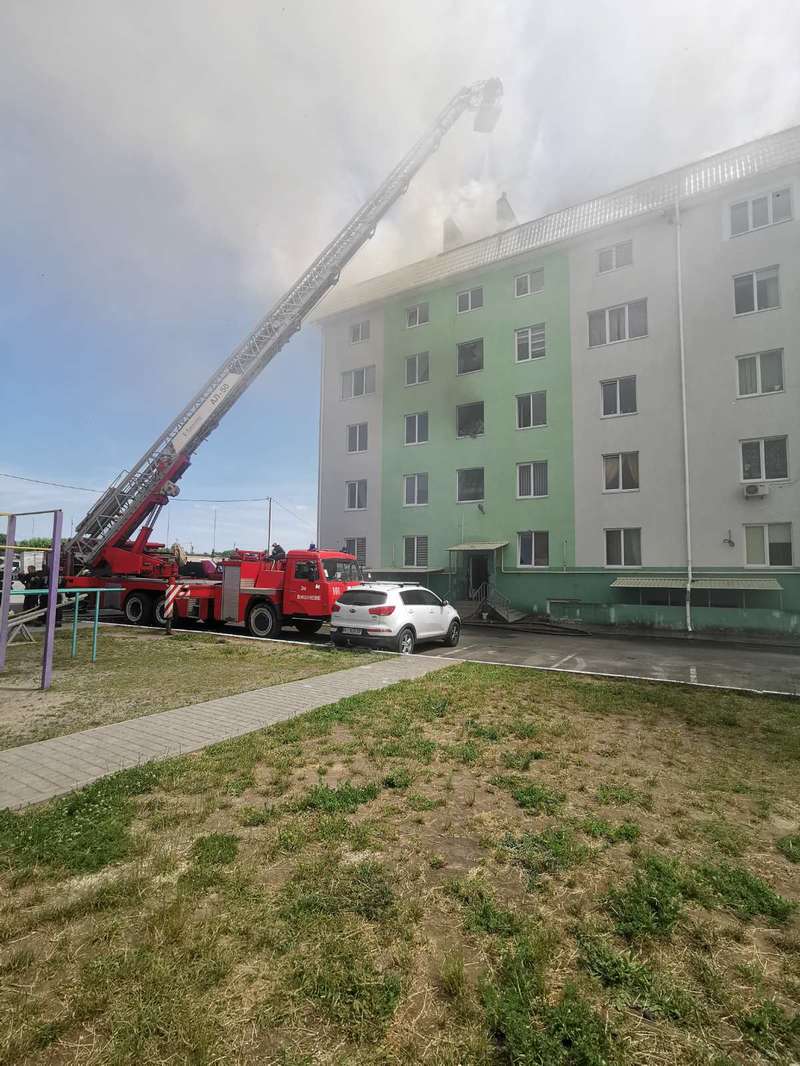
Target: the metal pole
pixel 269 524
pixel 52 598
pixel 75 628
pixel 96 623
pixel 8 582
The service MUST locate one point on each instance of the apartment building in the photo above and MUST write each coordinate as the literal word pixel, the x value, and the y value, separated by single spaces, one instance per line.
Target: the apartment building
pixel 594 415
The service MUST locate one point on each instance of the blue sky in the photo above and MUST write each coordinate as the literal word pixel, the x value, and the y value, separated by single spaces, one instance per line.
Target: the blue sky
pixel 168 168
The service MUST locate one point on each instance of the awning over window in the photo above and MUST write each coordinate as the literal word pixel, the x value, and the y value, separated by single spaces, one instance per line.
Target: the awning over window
pixel 479 546
pixel 664 581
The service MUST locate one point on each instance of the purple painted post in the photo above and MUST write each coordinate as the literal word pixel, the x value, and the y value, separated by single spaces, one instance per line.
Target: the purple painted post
pixel 52 596
pixel 8 581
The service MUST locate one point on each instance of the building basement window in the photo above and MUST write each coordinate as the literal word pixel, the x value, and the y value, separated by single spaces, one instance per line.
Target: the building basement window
pixel 415 551
pixel 470 485
pixel 621 323
pixel 619 396
pixel 765 459
pixel 418 368
pixel 470 356
pixel 761 373
pixel 469 419
pixel 623 547
pixel 758 290
pixel 769 544
pixel 533 547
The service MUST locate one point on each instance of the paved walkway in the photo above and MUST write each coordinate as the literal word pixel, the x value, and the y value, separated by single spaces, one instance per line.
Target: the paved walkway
pixel 36 772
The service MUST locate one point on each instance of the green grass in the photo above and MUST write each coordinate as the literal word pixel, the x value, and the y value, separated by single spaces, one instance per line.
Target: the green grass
pixel 770 1029
pixel 651 902
pixel 600 828
pixel 549 852
pixel 216 849
pixel 344 799
pixel 521 760
pixel 623 795
pixel 481 913
pixel 638 985
pixel 790 847
pixel 743 893
pixel 529 796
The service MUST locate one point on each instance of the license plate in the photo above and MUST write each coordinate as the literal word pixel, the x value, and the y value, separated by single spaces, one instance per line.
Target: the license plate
pixel 349 629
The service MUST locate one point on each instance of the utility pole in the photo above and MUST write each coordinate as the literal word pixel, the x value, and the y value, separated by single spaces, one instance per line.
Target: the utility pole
pixel 167 528
pixel 214 533
pixel 269 524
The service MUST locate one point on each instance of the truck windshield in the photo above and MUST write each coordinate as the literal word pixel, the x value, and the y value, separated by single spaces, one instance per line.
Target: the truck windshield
pixel 342 570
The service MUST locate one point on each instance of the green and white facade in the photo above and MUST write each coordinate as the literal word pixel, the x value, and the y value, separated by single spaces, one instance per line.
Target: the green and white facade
pixel 579 416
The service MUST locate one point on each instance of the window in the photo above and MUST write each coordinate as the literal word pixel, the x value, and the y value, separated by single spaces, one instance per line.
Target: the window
pixel 769 545
pixel 470 356
pixel 417 428
pixel 342 570
pixel 357 546
pixel 415 551
pixel 623 547
pixel 531 480
pixel 757 290
pixel 761 373
pixel 357 437
pixel 622 323
pixel 415 490
pixel 530 343
pixel 359 331
pixel 765 459
pixel 469 419
pixel 525 284
pixel 357 495
pixel 531 410
pixel 362 597
pixel 761 211
pixel 621 471
pixel 418 368
pixel 470 300
pixel 306 571
pixel 359 382
pixel 470 485
pixel 417 315
pixel 619 396
pixel 533 548
pixel 618 255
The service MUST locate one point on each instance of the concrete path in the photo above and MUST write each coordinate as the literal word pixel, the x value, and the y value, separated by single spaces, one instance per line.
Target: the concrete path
pixel 36 772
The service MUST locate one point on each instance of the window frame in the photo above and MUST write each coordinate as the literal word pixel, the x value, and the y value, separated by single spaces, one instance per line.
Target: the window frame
pixel 354 553
pixel 464 470
pixel 477 370
pixel 535 327
pixel 767 195
pixel 356 482
pixel 613 249
pixel 471 436
pixel 525 395
pixel 532 533
pixel 416 358
pixel 622 565
pixel 754 275
pixel 416 416
pixel 416 476
pixel 616 381
pixel 533 495
pixel 357 426
pixel 417 308
pixel 764 527
pixel 362 336
pixel 416 565
pixel 761 441
pixel 618 456
pixel 468 293
pixel 351 374
pixel 759 391
pixel 530 290
pixel 607 332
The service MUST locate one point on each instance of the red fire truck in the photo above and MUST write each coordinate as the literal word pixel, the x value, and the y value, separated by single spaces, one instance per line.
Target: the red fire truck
pixel 112 543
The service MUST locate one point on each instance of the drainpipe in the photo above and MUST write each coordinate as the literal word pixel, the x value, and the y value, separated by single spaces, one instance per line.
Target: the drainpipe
pixel 686 483
pixel 318 541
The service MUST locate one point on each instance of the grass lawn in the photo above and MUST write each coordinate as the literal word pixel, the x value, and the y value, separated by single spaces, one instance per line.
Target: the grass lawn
pixel 140 673
pixel 485 866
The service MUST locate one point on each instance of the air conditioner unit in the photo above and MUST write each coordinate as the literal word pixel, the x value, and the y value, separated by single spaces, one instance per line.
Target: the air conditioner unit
pixel 756 490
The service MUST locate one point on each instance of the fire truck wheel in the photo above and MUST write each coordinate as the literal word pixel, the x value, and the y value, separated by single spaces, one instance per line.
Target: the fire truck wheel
pixel 158 612
pixel 262 620
pixel 138 609
pixel 307 628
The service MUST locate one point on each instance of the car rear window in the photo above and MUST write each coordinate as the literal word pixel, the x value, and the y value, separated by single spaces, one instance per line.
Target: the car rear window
pixel 362 597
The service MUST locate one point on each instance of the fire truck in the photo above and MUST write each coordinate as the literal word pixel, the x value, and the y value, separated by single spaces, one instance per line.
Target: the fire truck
pixel 112 545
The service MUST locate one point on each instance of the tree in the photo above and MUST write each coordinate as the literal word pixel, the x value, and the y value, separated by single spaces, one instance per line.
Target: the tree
pixel 35 542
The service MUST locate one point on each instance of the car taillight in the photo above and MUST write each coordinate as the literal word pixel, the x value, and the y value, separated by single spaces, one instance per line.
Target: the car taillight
pixel 388 609
pixel 336 608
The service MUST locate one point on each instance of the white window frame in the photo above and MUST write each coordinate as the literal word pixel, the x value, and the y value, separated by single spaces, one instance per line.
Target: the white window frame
pixel 534 495
pixel 469 294
pixel 415 477
pixel 529 284
pixel 767 195
pixel 621 530
pixel 522 396
pixel 478 369
pixel 416 565
pixel 356 483
pixel 357 427
pixel 415 358
pixel 618 456
pixel 616 381
pixel 538 327
pixel 761 441
pixel 415 415
pixel 463 470
pixel 532 533
pixel 361 556
pixel 351 374
pixel 613 248
pixel 359 332
pixel 615 307
pixel 764 527
pixel 754 275
pixel 760 390
pixel 416 308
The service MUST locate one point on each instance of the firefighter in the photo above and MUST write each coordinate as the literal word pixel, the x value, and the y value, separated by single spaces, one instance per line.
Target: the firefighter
pixel 27 580
pixel 277 553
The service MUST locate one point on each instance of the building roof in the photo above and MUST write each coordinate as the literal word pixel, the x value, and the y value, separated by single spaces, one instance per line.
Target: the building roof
pixel 716 172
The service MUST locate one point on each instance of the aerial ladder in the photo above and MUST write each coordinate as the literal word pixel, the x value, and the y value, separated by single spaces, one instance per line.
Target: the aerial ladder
pixel 102 540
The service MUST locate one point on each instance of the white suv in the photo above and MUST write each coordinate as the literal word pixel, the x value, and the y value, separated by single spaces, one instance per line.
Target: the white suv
pixel 383 613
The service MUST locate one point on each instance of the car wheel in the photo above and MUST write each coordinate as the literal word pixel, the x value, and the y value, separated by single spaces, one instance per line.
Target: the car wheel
pixel 307 628
pixel 453 634
pixel 405 641
pixel 138 609
pixel 262 621
pixel 159 616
